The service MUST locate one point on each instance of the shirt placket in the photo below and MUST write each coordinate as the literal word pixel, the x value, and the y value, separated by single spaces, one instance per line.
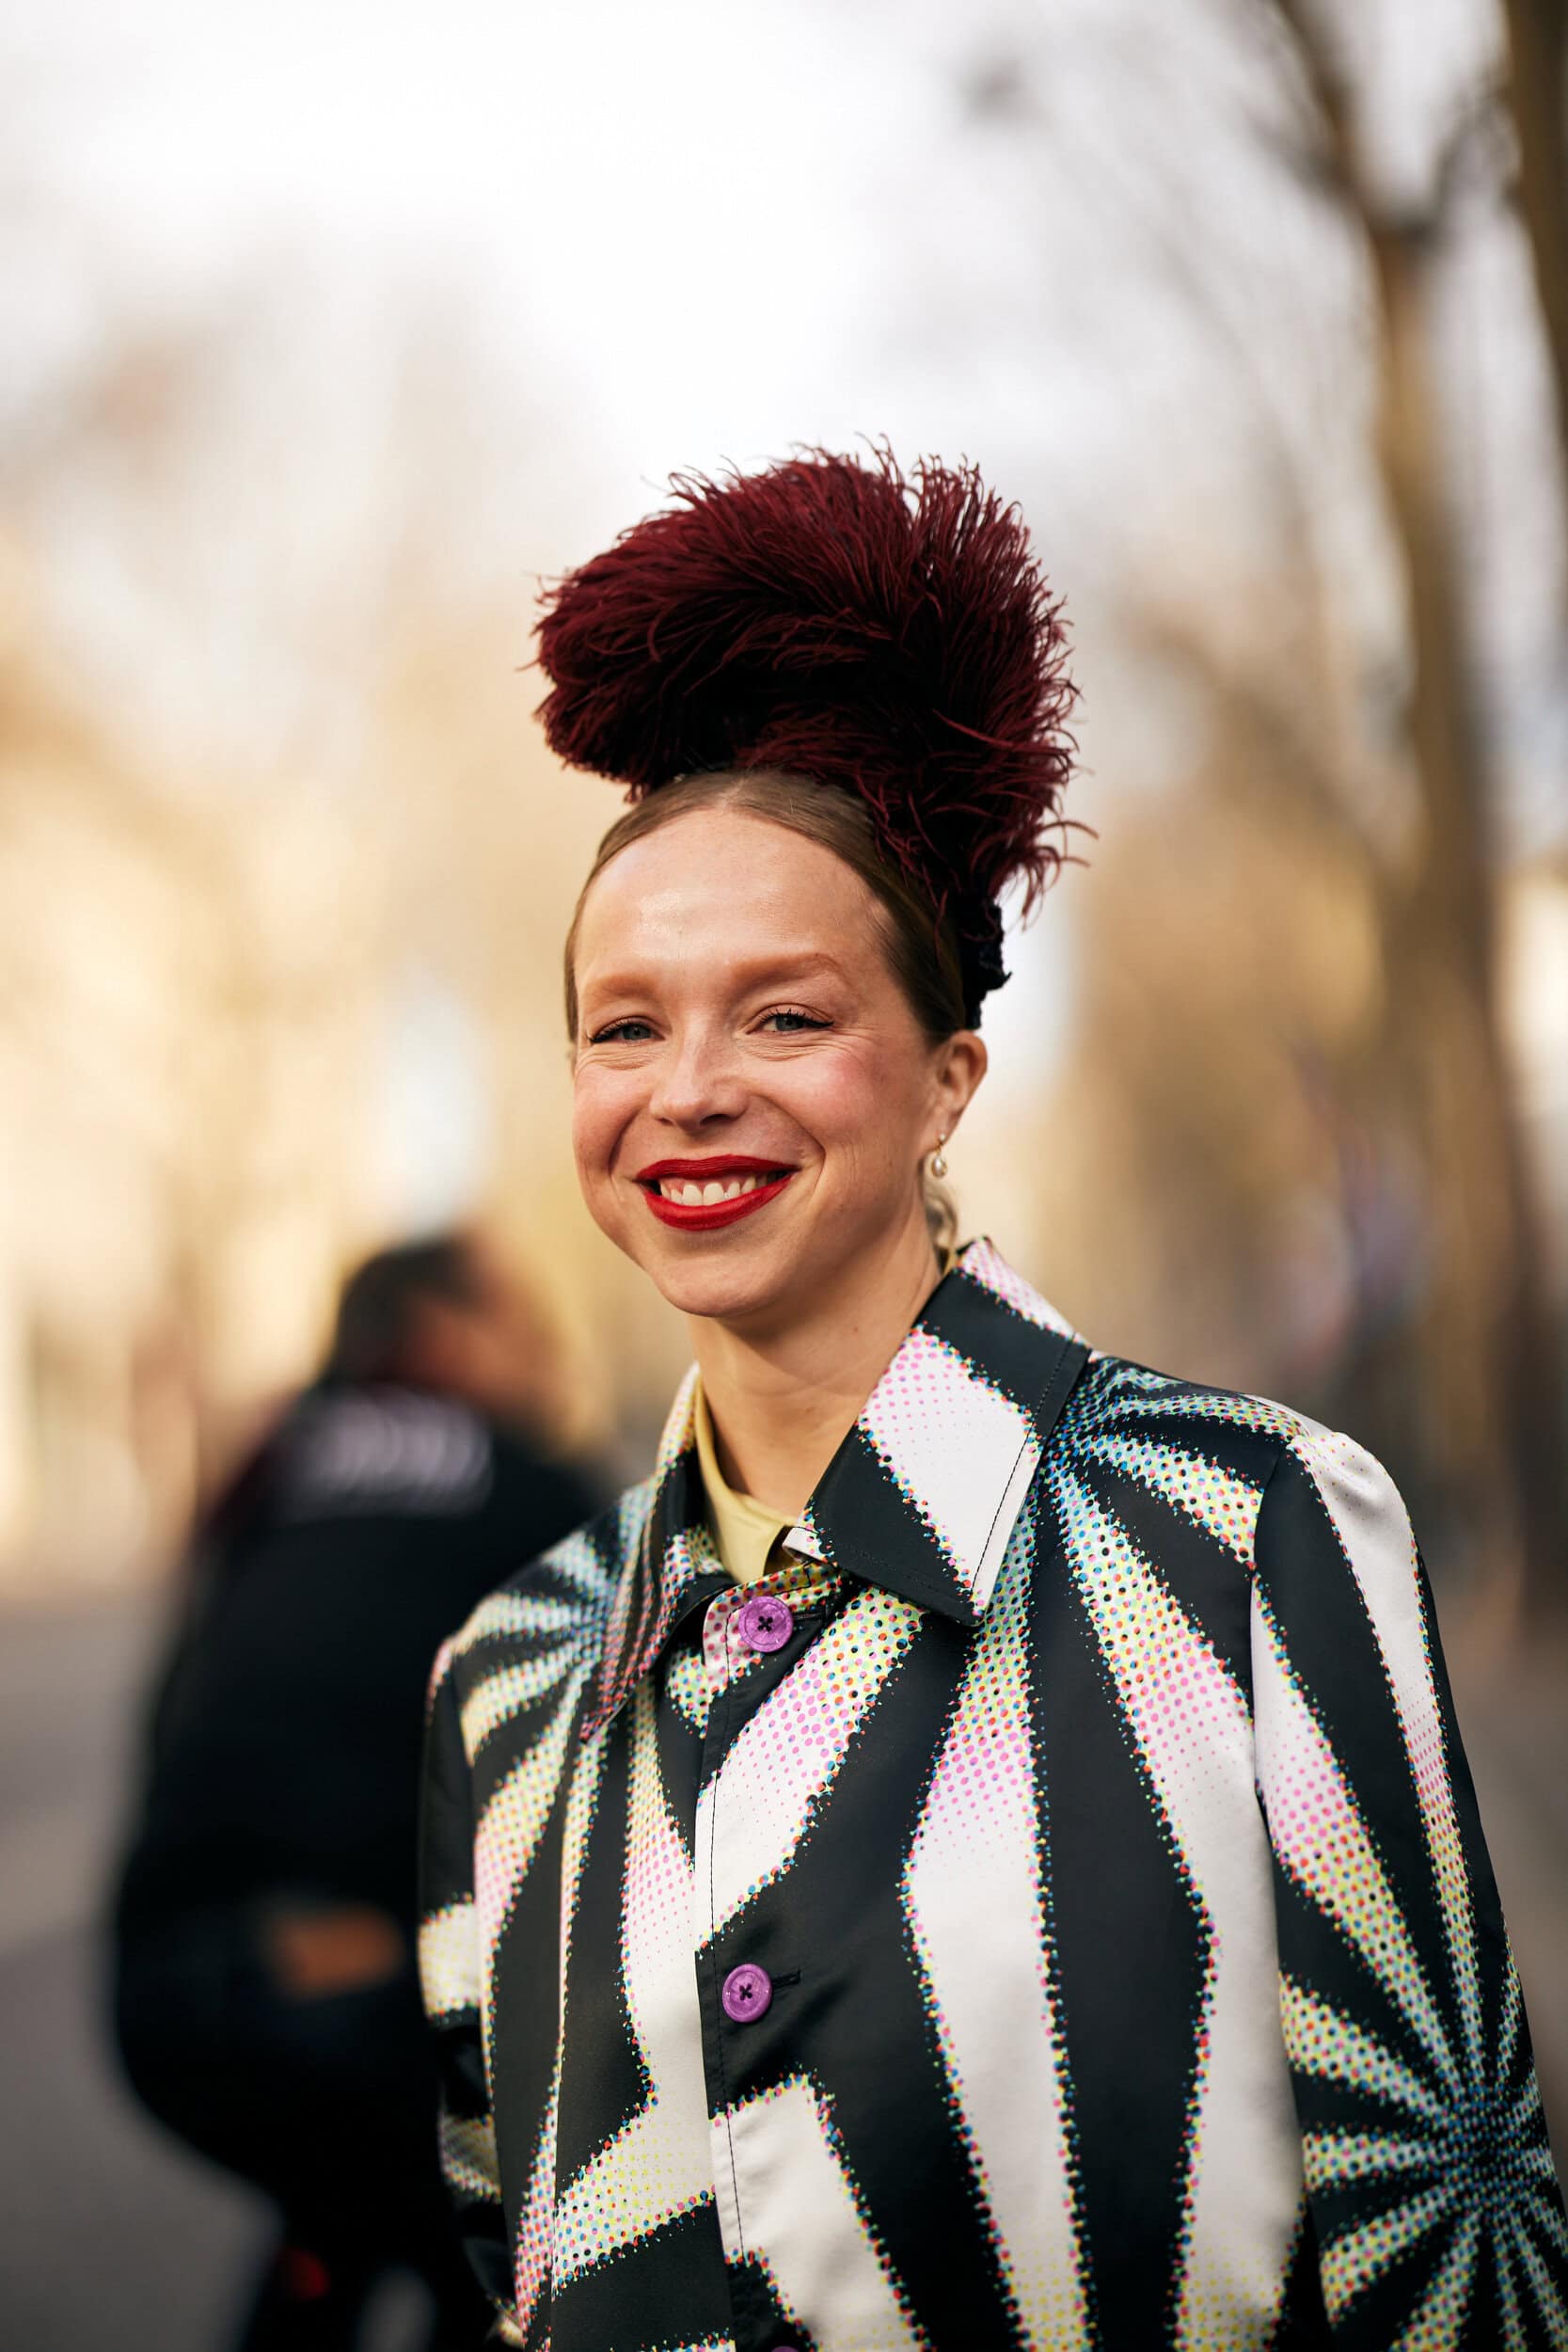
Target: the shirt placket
pixel 747 1634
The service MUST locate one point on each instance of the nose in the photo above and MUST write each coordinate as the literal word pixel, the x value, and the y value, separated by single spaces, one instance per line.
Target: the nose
pixel 699 1081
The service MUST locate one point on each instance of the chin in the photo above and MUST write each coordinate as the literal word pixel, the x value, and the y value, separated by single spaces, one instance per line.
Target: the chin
pixel 720 1284
pixel 725 1277
pixel 750 1273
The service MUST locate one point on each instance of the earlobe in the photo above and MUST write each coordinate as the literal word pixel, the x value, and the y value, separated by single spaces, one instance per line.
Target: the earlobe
pixel 963 1067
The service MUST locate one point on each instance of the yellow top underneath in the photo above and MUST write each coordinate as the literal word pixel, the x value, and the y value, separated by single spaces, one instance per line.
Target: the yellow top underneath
pixel 744 1530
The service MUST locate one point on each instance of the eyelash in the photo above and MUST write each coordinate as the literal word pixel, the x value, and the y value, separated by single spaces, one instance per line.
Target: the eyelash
pixel 615 1033
pixel 795 1012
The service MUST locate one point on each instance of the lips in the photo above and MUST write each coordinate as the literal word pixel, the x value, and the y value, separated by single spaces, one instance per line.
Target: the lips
pixel 701 1195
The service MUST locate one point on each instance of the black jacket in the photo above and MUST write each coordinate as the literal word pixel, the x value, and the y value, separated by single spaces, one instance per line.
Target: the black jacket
pixel 286 1730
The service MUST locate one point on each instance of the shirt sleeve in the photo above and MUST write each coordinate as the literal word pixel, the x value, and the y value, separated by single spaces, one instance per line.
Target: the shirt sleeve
pixel 1432 2206
pixel 449 1978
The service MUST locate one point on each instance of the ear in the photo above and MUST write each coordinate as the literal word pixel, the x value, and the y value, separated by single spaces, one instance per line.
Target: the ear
pixel 960 1066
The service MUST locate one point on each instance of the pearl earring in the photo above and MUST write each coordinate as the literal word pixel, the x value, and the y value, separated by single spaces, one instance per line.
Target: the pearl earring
pixel 938 1157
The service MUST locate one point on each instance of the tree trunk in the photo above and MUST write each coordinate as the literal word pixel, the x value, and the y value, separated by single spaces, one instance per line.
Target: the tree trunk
pixel 1538 102
pixel 1493 1361
pixel 1443 978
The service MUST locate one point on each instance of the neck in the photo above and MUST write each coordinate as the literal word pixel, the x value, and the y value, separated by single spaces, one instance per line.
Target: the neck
pixel 784 1398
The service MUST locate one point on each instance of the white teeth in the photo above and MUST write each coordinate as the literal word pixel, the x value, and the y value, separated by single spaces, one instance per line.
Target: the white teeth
pixel 688 1194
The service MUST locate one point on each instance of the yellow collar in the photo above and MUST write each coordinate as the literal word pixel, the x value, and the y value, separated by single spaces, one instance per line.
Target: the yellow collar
pixel 744 1530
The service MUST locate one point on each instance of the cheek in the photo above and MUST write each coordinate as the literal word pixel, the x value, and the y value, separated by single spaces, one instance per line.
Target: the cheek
pixel 862 1105
pixel 600 1108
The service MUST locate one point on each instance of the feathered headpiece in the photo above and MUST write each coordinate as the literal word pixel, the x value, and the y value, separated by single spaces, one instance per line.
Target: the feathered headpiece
pixel 828 617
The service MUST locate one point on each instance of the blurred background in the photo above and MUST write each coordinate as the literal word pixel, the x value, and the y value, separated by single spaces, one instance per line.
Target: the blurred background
pixel 328 331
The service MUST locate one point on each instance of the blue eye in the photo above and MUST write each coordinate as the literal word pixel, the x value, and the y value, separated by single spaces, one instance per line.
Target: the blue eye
pixel 621 1033
pixel 791 1023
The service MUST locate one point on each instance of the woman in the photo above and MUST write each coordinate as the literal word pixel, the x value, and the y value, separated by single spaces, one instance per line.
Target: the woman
pixel 975 1851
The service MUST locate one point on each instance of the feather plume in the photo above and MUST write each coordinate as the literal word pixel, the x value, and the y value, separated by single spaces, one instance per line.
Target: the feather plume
pixel 890 635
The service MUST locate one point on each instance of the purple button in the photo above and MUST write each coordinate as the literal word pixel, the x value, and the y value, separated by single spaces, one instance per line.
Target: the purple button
pixel 748 1991
pixel 764 1624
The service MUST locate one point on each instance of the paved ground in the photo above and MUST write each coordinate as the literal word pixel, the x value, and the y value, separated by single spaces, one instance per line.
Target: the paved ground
pixel 112 2241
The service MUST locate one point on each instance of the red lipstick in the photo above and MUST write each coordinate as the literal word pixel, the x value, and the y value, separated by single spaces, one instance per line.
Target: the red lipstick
pixel 708 1216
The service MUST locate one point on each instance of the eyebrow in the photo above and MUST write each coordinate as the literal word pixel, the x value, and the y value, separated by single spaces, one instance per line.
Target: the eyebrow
pixel 745 975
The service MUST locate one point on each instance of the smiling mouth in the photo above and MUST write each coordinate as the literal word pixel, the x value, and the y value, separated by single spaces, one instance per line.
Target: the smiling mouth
pixel 699 1196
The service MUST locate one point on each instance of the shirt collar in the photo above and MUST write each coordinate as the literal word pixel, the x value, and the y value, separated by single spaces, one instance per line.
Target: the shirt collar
pixel 922 1496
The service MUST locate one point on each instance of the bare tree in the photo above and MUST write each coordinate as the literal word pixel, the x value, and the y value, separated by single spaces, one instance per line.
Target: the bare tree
pixel 1488 1295
pixel 1428 1086
pixel 1538 104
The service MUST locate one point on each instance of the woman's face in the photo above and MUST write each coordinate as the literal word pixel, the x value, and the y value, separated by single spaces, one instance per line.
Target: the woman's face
pixel 754 1093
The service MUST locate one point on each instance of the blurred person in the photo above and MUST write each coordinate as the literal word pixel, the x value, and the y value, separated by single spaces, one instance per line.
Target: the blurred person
pixel 976 1852
pixel 266 1999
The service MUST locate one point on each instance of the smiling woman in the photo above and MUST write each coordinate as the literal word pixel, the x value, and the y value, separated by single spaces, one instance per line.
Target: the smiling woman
pixel 739 1022
pixel 975 1853
pixel 894 928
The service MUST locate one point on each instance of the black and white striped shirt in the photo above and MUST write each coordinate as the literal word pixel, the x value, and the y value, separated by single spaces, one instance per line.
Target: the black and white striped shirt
pixel 1049 1911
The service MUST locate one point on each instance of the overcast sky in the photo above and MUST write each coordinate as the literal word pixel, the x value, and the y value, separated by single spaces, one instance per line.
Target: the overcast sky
pixel 671 207
pixel 715 229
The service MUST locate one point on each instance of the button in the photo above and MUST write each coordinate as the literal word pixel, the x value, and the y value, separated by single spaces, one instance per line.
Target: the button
pixel 764 1624
pixel 747 1994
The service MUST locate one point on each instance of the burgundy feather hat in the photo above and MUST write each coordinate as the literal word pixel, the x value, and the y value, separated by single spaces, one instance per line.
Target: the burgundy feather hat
pixel 892 637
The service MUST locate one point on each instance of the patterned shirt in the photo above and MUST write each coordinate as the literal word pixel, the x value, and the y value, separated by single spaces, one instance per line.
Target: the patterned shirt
pixel 1049 1911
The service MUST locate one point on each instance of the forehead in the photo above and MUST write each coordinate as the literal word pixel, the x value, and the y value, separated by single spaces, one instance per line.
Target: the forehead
pixel 718 881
